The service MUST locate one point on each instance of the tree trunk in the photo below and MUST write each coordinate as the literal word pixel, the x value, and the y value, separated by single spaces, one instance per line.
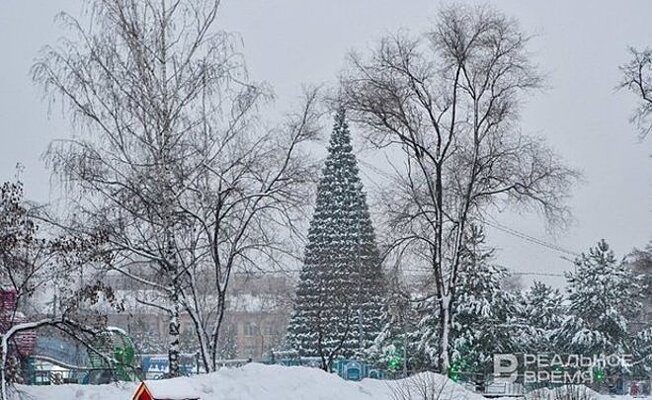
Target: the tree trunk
pixel 3 366
pixel 173 349
pixel 444 334
pixel 215 336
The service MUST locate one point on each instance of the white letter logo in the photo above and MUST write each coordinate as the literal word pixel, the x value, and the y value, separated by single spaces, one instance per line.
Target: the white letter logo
pixel 505 365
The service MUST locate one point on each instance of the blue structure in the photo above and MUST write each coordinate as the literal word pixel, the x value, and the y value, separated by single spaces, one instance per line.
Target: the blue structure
pixel 156 366
pixel 64 351
pixel 356 370
pixel 351 370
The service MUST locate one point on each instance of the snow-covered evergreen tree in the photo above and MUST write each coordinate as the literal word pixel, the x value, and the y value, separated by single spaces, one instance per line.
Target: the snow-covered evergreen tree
pixel 339 299
pixel 397 346
pixel 483 312
pixel 641 262
pixel 541 314
pixel 604 296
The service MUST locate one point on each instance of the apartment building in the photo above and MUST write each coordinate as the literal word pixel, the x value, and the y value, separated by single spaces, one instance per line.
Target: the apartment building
pixel 258 310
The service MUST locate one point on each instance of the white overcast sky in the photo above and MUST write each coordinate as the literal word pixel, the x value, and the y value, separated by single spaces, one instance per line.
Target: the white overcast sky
pixel 578 44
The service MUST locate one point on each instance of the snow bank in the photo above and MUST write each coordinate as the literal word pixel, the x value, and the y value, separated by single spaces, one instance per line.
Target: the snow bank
pixel 173 389
pixel 120 391
pixel 261 382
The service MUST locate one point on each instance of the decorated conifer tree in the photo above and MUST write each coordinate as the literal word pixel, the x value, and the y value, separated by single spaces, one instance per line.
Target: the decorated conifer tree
pixel 339 299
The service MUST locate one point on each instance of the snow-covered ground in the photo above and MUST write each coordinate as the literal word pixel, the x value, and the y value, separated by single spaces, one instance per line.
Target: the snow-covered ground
pixel 261 382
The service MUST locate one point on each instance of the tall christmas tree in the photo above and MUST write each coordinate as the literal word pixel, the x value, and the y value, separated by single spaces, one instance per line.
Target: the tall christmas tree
pixel 339 299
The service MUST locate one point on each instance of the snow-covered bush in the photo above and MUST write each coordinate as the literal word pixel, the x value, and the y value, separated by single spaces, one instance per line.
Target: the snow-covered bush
pixel 570 392
pixel 427 386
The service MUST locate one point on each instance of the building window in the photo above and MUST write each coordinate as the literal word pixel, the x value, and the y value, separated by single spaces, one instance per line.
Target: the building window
pixel 269 330
pixel 250 330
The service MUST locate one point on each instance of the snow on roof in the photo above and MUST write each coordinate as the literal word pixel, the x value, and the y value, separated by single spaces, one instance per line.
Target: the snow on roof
pixel 241 302
pixel 246 302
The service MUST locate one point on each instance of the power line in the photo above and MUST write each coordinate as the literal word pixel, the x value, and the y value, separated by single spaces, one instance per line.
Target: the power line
pixel 408 270
pixel 531 239
pixel 268 272
pixel 537 274
pixel 495 224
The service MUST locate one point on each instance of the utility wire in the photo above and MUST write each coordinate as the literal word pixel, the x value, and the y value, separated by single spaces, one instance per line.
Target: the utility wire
pixel 495 224
pixel 531 239
pixel 537 274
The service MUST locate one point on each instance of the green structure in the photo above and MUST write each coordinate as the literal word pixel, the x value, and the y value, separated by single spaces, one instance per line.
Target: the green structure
pixel 114 344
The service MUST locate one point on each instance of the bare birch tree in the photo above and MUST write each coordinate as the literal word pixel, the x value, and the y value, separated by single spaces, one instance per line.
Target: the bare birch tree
pixel 449 100
pixel 637 78
pixel 241 214
pixel 171 159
